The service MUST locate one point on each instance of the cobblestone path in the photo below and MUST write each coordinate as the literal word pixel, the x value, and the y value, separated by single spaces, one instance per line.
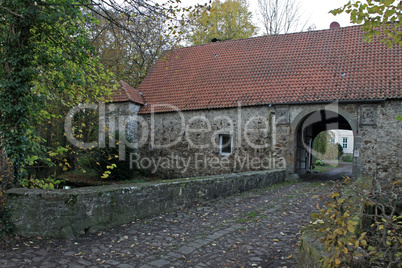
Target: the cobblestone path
pixel 256 229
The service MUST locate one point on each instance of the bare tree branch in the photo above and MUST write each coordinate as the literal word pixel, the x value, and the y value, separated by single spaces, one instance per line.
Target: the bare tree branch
pixel 281 16
pixel 11 12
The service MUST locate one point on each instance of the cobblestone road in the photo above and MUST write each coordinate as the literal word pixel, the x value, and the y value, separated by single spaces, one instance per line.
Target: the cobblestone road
pixel 256 229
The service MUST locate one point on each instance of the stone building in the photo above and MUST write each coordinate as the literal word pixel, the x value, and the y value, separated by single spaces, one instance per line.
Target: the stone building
pixel 258 103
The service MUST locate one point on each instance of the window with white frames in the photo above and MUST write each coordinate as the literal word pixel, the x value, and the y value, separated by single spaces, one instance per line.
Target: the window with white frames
pixel 345 143
pixel 225 144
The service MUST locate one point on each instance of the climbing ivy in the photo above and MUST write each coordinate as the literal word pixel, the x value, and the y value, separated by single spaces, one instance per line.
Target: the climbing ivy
pixel 45 55
pixel 48 62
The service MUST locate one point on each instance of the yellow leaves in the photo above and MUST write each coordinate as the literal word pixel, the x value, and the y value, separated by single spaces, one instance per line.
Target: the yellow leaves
pixel 331 205
pixel 334 195
pixel 341 200
pixel 112 166
pixel 356 243
pixel 338 231
pixel 351 226
pixel 362 236
pixel 106 174
pixel 337 261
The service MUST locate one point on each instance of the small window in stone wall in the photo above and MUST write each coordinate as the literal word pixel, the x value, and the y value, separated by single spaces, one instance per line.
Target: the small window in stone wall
pixel 225 144
pixel 345 143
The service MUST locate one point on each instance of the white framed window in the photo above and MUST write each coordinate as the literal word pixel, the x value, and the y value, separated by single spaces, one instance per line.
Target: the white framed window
pixel 225 144
pixel 345 143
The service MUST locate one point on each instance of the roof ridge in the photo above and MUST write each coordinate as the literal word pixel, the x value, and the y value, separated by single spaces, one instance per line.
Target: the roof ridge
pixel 126 88
pixel 314 66
pixel 260 36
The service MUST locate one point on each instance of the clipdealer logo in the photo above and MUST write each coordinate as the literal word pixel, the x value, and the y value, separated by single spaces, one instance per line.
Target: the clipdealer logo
pixel 146 129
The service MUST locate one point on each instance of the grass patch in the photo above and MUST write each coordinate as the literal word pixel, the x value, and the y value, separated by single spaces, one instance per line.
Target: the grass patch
pixel 322 168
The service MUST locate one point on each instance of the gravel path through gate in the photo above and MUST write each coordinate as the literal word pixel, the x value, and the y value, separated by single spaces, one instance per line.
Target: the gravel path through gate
pixel 256 229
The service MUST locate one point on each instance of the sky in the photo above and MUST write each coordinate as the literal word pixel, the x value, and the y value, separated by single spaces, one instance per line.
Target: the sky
pixel 315 11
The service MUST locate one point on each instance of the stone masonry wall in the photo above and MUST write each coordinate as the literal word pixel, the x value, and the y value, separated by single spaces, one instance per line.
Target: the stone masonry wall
pixel 381 140
pixel 187 144
pixel 377 135
pixel 69 213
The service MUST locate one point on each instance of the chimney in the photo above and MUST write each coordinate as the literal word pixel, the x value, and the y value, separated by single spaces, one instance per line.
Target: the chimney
pixel 334 25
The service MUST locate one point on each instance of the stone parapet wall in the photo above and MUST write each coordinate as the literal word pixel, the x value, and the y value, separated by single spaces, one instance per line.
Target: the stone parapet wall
pixel 73 212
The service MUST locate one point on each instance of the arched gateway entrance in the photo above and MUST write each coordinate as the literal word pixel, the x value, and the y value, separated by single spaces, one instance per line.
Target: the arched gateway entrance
pixel 308 124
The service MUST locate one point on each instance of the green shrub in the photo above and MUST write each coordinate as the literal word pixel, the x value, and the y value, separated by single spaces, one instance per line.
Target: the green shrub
pixel 347 158
pixel 108 165
pixel 340 150
pixel 319 163
pixel 48 183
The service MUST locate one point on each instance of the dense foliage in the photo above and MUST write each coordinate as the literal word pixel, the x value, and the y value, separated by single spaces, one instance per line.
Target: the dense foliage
pixel 44 55
pixel 222 21
pixel 325 148
pixel 55 54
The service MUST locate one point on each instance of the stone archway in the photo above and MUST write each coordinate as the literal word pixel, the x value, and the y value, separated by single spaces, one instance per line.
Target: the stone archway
pixel 308 124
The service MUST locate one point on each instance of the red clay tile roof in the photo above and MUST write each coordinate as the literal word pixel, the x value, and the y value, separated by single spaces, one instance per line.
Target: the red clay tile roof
pixel 314 66
pixel 126 93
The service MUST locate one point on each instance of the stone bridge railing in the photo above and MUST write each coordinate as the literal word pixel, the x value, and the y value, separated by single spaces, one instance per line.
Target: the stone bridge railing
pixel 73 212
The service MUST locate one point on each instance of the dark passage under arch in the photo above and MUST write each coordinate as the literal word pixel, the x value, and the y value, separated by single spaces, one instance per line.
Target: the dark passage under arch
pixel 308 129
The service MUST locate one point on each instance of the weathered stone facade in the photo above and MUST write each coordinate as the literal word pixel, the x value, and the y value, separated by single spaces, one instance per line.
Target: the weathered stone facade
pixel 186 144
pixel 380 138
pixel 377 135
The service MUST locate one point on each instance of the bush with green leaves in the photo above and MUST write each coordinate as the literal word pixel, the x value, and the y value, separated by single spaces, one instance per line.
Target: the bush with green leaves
pixel 340 150
pixel 48 183
pixel 319 163
pixel 108 165
pixel 347 158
